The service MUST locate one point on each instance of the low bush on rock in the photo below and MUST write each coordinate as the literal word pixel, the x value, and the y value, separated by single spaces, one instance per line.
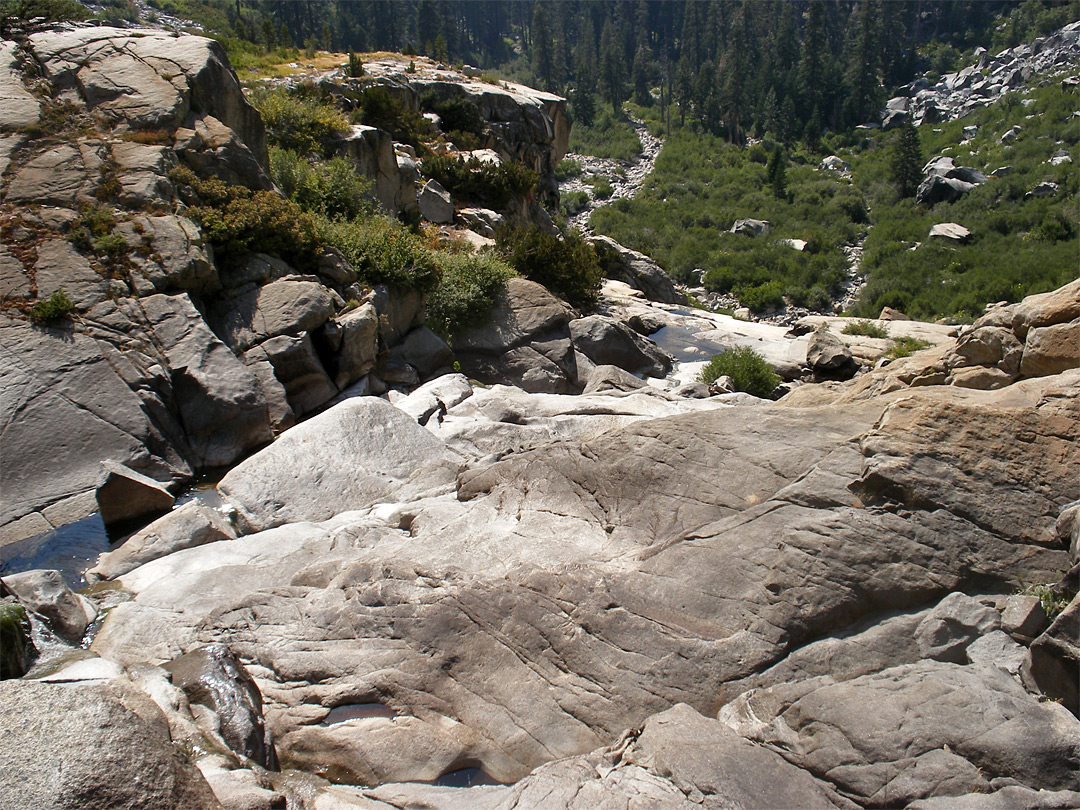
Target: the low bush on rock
pixel 52 308
pixel 376 107
pixel 866 329
pixel 573 202
pixel 297 121
pixel 466 292
pixel 461 118
pixel 239 221
pixel 383 251
pixel 568 267
pixel 905 347
pixel 493 185
pixel 330 188
pixel 748 370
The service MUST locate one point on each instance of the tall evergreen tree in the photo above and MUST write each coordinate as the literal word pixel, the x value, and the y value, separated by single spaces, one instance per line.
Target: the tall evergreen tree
pixel 907 161
pixel 612 67
pixel 861 96
pixel 542 61
pixel 777 173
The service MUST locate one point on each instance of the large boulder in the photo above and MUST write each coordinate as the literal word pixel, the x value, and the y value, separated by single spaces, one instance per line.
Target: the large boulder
pixel 607 342
pixel 936 729
pixel 46 594
pixel 375 452
pixel 527 341
pixel 92 746
pixel 637 270
pixel 1051 349
pixel 282 307
pixel 937 188
pixel 751 227
pixel 1054 658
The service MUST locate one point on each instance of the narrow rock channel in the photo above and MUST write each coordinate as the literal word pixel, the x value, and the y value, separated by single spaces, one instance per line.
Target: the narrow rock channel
pixel 625 177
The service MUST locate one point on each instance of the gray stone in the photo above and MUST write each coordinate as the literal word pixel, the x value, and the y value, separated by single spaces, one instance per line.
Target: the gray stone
pixel 953 625
pixel 435 204
pixel 1023 616
pixel 1046 309
pixel 997 649
pixel 187 526
pixel 46 594
pixel 950 232
pixel 1046 188
pixel 282 307
pixel 612 378
pixel 218 398
pixel 826 353
pixel 91 746
pixel 375 451
pixel 169 252
pixel 981 378
pixel 358 344
pixel 298 368
pixel 835 164
pixel 399 311
pixel 1054 664
pixel 214 677
pixel 14 282
pixel 1051 349
pixel 607 342
pixel 637 270
pixel 372 152
pixel 126 494
pixel 483 221
pixel 18 107
pixel 436 397
pixel 1010 797
pixel 425 351
pixel 60 265
pixel 936 188
pixel 751 227
pixel 55 177
pixel 935 729
pixel 334 267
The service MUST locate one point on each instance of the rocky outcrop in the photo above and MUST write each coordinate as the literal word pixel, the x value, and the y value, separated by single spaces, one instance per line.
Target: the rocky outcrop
pixel 527 342
pixel 637 270
pixel 92 746
pixel 987 79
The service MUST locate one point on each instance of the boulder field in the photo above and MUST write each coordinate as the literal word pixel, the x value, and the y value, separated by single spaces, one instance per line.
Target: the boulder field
pixel 481 595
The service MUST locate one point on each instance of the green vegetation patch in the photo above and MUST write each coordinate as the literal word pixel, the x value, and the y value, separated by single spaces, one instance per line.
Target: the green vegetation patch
pixel 330 188
pixel 466 292
pixel 608 136
pixel 239 221
pixel 905 347
pixel 866 329
pixel 1018 246
pixel 702 184
pixel 298 120
pixel 749 371
pixel 382 250
pixel 53 308
pixel 568 267
pixel 493 185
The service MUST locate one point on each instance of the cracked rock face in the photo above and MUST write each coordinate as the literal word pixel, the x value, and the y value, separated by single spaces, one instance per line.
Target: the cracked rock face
pixel 566 593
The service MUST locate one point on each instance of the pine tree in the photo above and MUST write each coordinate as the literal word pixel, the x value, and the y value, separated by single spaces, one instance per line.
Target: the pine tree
pixel 907 161
pixel 612 67
pixel 861 97
pixel 777 174
pixel 540 33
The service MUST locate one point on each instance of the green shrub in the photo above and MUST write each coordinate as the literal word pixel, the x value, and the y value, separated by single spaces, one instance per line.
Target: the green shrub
pixel 607 136
pixel 566 169
pixel 748 370
pixel 55 306
pixel 356 66
pixel 331 188
pixel 493 185
pixel 296 122
pixel 381 251
pixel 568 267
pixel 905 347
pixel 379 108
pixel 762 297
pixel 601 186
pixel 466 292
pixel 239 221
pixel 866 329
pixel 573 202
pixel 458 113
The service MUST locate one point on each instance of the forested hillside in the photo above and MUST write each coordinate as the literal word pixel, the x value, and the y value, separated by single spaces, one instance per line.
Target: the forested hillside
pixel 778 65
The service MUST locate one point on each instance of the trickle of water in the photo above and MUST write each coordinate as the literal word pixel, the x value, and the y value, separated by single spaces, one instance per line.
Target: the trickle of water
pixel 69 549
pixel 465 778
